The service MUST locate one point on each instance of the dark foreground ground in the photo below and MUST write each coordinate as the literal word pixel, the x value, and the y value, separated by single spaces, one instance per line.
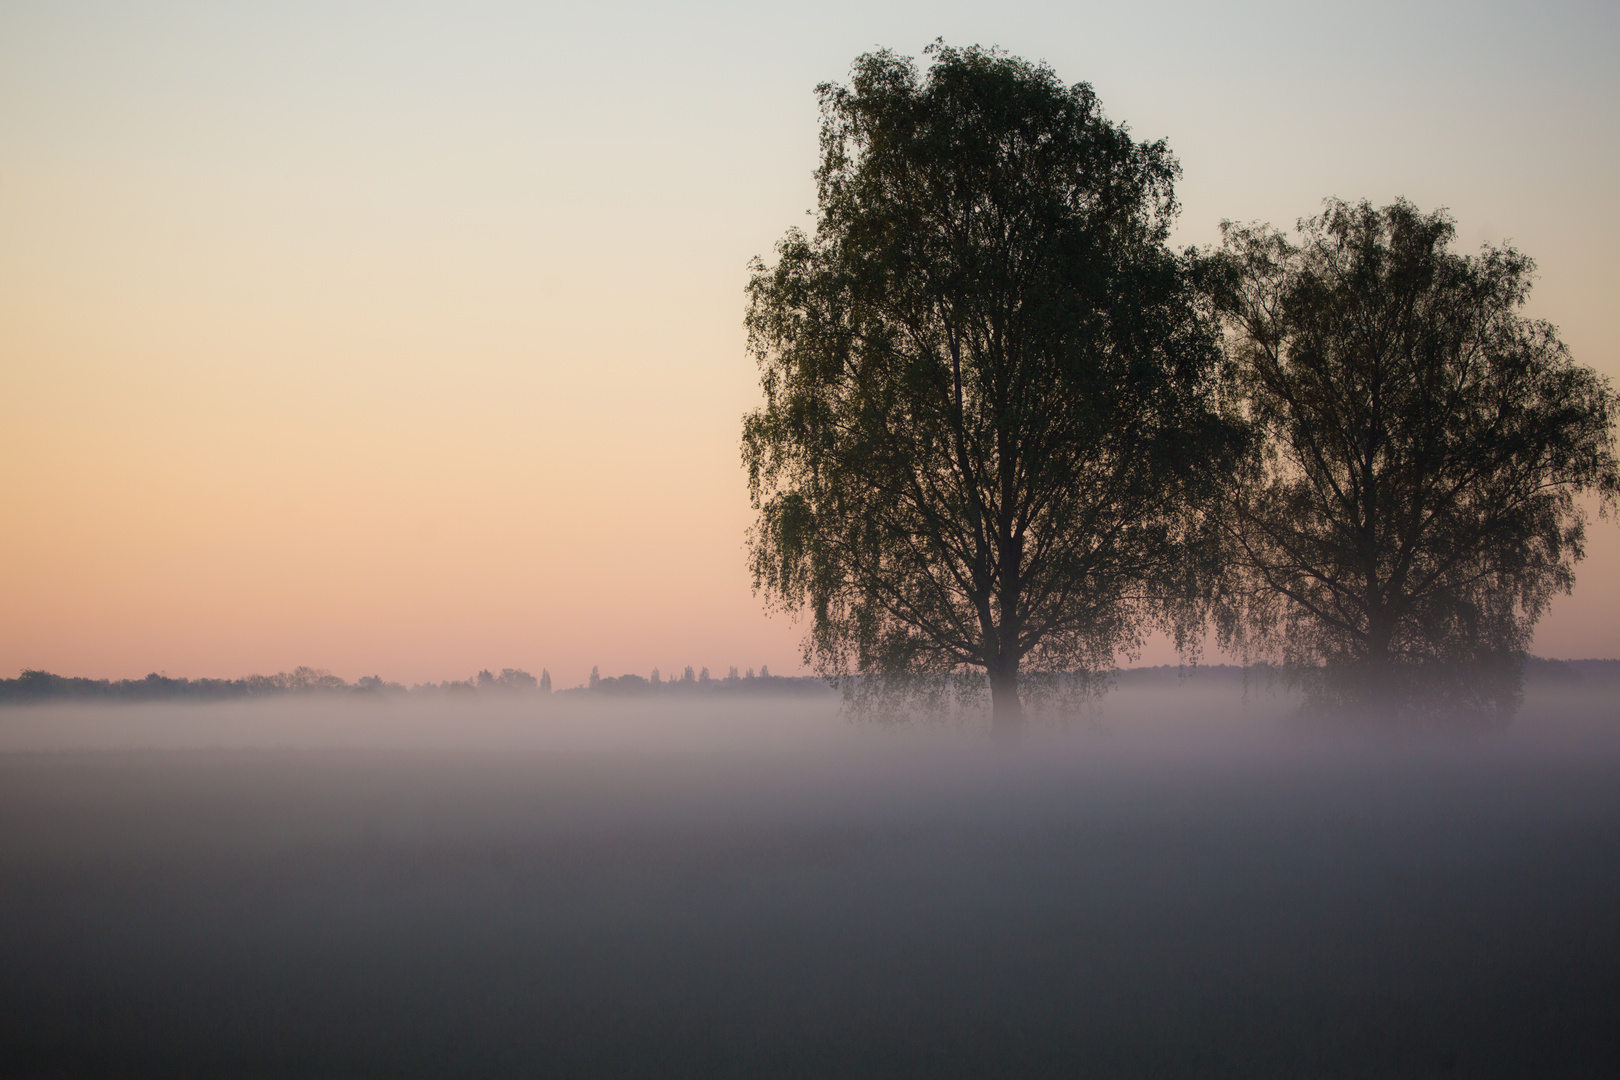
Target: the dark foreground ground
pixel 1180 891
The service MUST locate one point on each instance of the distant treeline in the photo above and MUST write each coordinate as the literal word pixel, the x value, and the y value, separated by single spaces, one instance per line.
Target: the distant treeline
pixel 32 686
pixel 701 682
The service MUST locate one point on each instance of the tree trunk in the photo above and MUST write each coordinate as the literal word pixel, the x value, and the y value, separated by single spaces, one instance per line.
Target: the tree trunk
pixel 1378 681
pixel 1006 711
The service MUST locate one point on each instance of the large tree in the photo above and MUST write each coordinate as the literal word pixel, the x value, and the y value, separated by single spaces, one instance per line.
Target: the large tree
pixel 1415 505
pixel 988 422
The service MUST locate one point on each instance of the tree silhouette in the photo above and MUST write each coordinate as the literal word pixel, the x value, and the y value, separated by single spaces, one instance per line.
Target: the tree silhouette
pixel 988 420
pixel 1414 507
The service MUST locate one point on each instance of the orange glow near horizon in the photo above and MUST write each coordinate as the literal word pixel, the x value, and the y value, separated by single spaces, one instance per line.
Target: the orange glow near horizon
pixel 375 342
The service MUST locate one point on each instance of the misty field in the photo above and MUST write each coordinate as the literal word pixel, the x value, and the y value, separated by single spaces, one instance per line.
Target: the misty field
pixel 1181 883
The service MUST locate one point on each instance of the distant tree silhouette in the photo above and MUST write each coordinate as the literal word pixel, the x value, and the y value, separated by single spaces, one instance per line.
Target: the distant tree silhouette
pixel 509 680
pixel 989 385
pixel 1414 506
pixel 545 681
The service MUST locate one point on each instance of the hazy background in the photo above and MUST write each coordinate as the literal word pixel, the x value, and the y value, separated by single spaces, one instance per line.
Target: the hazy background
pixel 406 339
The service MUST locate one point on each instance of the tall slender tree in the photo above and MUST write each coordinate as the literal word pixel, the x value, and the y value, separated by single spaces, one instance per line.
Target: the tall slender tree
pixel 989 416
pixel 1415 504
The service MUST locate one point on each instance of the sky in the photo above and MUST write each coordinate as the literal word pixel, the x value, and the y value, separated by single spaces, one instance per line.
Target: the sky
pixel 406 339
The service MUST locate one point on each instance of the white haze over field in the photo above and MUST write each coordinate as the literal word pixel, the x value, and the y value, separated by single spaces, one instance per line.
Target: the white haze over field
pixel 1199 712
pixel 1184 880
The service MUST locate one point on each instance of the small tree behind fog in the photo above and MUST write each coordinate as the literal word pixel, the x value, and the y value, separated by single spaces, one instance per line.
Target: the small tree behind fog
pixel 1413 507
pixel 510 680
pixel 989 385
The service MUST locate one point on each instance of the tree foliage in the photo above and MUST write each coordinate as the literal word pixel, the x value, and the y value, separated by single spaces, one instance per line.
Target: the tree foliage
pixel 989 384
pixel 1414 506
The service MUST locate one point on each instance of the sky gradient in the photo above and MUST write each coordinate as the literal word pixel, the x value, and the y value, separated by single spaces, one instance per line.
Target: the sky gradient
pixel 407 339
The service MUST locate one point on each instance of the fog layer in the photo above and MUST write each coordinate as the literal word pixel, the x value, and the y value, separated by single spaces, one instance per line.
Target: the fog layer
pixel 1184 882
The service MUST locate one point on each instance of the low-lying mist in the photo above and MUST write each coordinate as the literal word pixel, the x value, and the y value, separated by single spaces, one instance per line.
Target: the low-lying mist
pixel 1187 879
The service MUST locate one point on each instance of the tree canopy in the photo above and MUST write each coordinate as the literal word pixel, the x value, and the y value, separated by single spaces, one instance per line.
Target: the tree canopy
pixel 989 417
pixel 1413 505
